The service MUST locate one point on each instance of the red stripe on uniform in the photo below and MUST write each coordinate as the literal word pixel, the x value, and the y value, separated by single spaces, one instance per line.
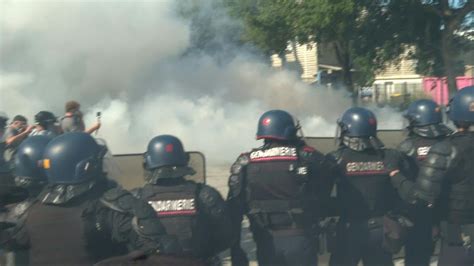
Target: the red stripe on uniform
pixel 366 173
pixel 279 158
pixel 170 213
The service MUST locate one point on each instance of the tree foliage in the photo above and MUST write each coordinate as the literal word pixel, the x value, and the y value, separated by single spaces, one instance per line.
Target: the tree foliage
pixel 365 34
pixel 352 28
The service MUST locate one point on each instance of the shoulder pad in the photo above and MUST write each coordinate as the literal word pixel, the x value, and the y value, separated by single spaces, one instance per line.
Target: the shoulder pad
pixel 209 196
pixel 235 185
pixel 212 201
pixel 442 148
pixel 241 161
pixel 308 151
pixel 21 209
pixel 118 199
pixel 439 156
pixel 408 147
pixel 13 214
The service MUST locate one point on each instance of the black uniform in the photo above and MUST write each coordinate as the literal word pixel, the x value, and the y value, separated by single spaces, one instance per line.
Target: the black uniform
pixel 84 223
pixel 364 198
pixel 195 213
pixel 278 186
pixel 4 166
pixel 13 206
pixel 447 175
pixel 420 244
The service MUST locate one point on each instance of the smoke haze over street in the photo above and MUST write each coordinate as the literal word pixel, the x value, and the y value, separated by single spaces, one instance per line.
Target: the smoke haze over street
pixel 131 61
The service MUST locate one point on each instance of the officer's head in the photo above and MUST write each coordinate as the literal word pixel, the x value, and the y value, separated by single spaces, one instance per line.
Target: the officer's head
pixel 73 158
pixel 165 158
pixel 276 125
pixel 461 108
pixel 45 118
pixel 358 122
pixel 165 150
pixel 423 113
pixel 28 170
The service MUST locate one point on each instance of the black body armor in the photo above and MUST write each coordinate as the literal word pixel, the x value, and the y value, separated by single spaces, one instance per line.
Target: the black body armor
pixel 363 183
pixel 193 212
pixel 275 183
pixel 416 147
pixel 176 206
pixel 448 173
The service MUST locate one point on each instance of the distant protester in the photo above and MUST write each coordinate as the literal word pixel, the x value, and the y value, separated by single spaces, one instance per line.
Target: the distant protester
pixel 72 120
pixel 46 125
pixel 14 134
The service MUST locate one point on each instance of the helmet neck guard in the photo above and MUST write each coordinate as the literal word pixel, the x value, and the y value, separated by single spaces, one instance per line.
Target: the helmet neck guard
pixel 362 143
pixel 167 172
pixel 431 131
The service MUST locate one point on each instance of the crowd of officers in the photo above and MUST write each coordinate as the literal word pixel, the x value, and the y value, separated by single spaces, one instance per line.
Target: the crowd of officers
pixel 361 203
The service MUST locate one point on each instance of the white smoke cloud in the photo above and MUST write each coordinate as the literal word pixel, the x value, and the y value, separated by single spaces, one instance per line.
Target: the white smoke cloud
pixel 126 59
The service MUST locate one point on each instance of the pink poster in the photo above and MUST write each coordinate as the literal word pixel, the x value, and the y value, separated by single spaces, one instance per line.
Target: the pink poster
pixel 438 88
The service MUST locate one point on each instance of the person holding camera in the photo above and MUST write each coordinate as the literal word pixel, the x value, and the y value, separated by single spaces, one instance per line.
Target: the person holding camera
pixel 72 121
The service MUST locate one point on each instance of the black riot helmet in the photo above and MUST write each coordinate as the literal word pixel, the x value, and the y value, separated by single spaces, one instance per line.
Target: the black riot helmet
pixel 28 159
pixel 276 125
pixel 358 122
pixel 165 150
pixel 45 118
pixel 73 158
pixel 461 107
pixel 423 113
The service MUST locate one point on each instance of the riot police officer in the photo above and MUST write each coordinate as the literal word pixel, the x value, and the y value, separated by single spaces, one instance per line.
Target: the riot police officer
pixel 28 174
pixel 79 218
pixel 425 128
pixel 360 168
pixel 446 179
pixel 278 187
pixel 31 177
pixel 195 213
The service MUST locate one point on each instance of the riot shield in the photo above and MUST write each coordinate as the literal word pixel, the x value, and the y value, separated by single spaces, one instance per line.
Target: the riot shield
pixel 131 169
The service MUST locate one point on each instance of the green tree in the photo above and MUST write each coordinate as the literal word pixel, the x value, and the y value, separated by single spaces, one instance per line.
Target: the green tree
pixel 432 27
pixel 353 28
pixel 266 23
pixel 451 14
pixel 358 30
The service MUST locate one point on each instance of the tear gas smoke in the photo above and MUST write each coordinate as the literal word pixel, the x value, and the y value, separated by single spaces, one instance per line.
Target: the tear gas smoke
pixel 130 61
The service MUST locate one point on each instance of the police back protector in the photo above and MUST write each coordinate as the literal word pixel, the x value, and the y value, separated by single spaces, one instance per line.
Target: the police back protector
pixel 176 207
pixel 275 182
pixel 364 189
pixel 58 235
